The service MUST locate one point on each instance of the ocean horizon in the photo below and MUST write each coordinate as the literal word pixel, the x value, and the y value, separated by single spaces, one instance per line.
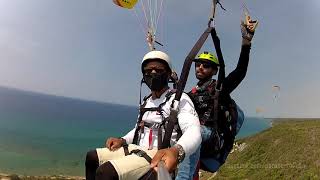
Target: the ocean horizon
pixel 50 135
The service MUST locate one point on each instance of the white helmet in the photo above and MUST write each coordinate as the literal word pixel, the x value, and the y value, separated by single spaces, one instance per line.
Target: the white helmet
pixel 157 55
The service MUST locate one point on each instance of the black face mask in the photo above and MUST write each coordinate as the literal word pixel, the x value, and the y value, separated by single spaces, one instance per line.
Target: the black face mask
pixel 156 81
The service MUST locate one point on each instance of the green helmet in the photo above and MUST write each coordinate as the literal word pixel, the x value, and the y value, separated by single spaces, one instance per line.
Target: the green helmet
pixel 206 56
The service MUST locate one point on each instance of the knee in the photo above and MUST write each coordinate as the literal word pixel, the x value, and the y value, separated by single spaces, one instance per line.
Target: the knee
pixel 92 158
pixel 106 172
pixel 100 172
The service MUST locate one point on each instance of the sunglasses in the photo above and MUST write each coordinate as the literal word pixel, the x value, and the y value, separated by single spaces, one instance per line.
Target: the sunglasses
pixel 204 65
pixel 157 70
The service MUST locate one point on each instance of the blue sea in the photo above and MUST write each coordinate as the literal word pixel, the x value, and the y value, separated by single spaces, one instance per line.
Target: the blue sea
pixel 50 135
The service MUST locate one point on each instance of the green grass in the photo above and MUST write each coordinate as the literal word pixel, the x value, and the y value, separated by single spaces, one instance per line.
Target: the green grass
pixel 288 150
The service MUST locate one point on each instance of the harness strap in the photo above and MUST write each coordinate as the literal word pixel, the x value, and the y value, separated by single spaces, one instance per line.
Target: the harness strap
pixel 125 149
pixel 184 76
pixel 151 125
pixel 141 113
pixel 221 75
pixel 141 124
pixel 188 62
pixel 141 153
pixel 143 110
pixel 159 137
pixel 213 12
pixel 173 119
pixel 219 83
pixel 216 109
pixel 205 85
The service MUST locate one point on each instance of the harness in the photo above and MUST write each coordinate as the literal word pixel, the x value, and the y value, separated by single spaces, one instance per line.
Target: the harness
pixel 159 127
pixel 154 126
pixel 202 97
pixel 223 128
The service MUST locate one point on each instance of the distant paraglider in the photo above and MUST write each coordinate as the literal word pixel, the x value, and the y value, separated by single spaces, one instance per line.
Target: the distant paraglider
pixel 259 110
pixel 275 92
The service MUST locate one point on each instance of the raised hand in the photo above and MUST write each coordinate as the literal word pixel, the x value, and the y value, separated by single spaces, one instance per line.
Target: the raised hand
pixel 248 27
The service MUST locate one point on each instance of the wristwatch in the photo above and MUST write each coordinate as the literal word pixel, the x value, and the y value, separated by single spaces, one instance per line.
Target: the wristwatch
pixel 181 153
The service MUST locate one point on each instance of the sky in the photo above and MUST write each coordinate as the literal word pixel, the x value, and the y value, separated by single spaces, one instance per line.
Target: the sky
pixel 92 49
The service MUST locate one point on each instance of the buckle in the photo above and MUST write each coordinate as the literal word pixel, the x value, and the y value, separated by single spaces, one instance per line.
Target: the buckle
pixel 140 153
pixel 125 145
pixel 216 88
pixel 155 125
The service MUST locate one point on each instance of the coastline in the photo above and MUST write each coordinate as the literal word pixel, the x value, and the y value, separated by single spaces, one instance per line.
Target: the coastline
pixel 275 120
pixel 279 120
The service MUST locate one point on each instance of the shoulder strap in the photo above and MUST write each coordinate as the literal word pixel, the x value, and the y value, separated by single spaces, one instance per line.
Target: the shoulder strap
pixel 173 119
pixel 142 110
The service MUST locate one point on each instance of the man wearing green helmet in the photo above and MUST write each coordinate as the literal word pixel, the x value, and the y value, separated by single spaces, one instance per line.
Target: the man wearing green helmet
pixel 217 137
pixel 206 66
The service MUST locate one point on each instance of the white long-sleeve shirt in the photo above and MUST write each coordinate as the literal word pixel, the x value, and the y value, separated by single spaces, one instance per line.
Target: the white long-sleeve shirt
pixel 187 118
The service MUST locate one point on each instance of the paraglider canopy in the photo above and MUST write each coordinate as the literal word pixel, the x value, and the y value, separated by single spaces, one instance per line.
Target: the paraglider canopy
pixel 129 4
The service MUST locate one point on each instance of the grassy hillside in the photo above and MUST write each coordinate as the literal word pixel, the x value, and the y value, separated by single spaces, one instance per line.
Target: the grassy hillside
pixel 288 150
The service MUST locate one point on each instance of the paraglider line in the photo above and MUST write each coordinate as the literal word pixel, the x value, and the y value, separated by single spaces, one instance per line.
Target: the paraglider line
pixel 150 15
pixel 159 14
pixel 140 23
pixel 244 7
pixel 145 14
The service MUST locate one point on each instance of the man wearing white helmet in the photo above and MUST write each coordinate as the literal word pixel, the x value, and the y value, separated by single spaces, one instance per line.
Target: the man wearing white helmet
pixel 130 157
